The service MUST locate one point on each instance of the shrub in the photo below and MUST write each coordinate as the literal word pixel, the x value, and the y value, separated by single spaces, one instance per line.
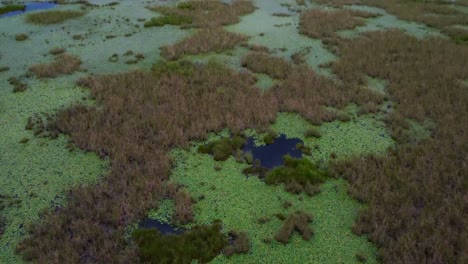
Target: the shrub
pixel 270 137
pixel 201 243
pixel 52 17
pixel 181 68
pixel 304 149
pixel 296 172
pixel 21 37
pixel 63 64
pixel 4 68
pixel 240 244
pixel 183 208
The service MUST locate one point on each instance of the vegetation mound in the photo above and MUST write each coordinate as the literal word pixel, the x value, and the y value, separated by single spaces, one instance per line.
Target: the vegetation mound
pixel 298 221
pixel 298 175
pixel 223 148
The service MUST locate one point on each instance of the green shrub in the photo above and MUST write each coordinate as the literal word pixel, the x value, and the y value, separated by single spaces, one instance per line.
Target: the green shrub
pixel 168 20
pixel 270 137
pixel 223 148
pixel 183 68
pixel 52 17
pixel 202 243
pixel 296 174
pixel 186 5
pixel 11 8
pixel 304 149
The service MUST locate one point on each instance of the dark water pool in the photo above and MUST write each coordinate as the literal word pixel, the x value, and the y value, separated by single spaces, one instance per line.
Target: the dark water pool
pixel 31 7
pixel 165 229
pixel 271 156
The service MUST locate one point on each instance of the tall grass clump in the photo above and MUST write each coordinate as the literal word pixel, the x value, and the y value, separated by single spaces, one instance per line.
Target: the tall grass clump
pixel 298 221
pixel 203 41
pixel 318 23
pixel 63 64
pixel 52 17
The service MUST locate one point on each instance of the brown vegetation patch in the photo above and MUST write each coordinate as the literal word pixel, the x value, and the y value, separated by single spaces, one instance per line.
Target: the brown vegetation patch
pixel 437 14
pixel 52 17
pixel 63 64
pixel 21 37
pixel 205 40
pixel 208 13
pixel 318 23
pixel 141 118
pixel 417 192
pixel 261 62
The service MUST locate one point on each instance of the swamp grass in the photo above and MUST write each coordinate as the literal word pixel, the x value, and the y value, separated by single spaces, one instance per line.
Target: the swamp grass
pixel 52 17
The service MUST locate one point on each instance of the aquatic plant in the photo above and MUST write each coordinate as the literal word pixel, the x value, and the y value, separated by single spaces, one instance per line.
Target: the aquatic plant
pixel 298 221
pixel 11 8
pixel 296 174
pixel 201 243
pixel 4 68
pixel 52 17
pixel 63 64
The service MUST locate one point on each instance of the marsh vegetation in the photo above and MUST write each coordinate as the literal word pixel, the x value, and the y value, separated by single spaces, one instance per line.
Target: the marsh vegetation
pixel 155 121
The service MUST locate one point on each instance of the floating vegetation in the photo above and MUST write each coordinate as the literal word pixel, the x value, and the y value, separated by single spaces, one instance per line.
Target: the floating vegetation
pixel 21 37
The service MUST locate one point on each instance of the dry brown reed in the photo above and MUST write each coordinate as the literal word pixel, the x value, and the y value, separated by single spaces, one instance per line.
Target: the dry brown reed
pixel 417 192
pixel 64 63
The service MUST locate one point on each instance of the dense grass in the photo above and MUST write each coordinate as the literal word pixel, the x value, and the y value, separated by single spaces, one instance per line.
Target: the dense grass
pixel 437 14
pixel 317 23
pixel 298 175
pixel 161 112
pixel 168 20
pixel 416 192
pixel 11 8
pixel 201 243
pixel 52 17
pixel 208 14
pixel 203 41
pixel 64 63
